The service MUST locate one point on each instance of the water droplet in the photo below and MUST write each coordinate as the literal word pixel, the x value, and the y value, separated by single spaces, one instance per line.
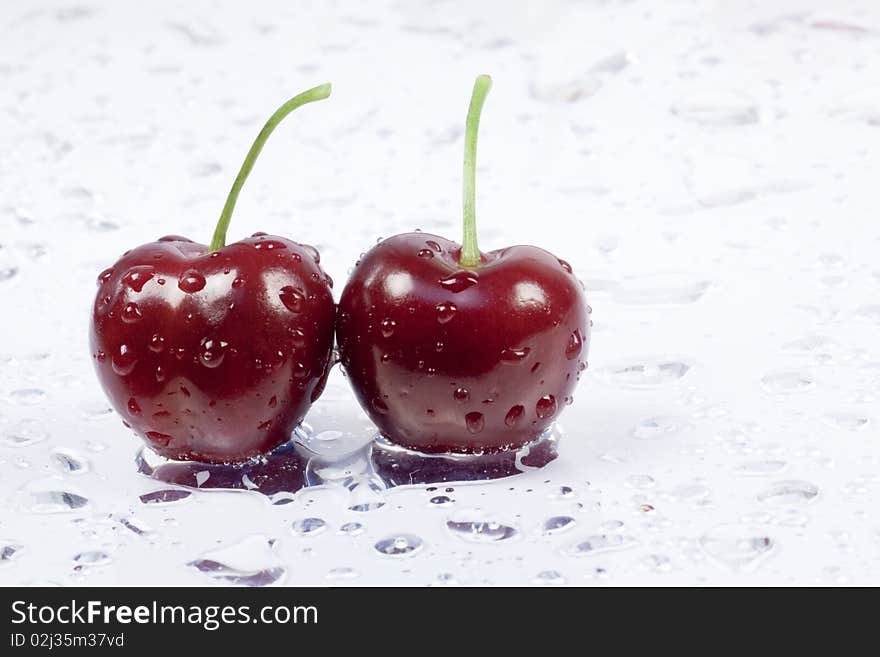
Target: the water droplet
pixel 342 572
pixel 237 282
pixel 514 354
pixel 660 290
pixel 212 352
pixel 658 563
pixel 650 374
pixel 136 277
pixel 658 427
pixel 848 421
pixel 165 496
pixel 441 501
pixel 309 526
pixel 565 266
pixel 557 525
pixel 574 346
pixel 601 543
pixel 352 529
pixel 191 281
pixel 124 360
pixel 737 547
pixel 549 578
pixel 23 434
pixel 782 382
pixel 159 438
pixel 464 526
pixel 460 281
pixel 789 493
pixel 514 415
pixel 426 253
pixel 387 327
pixel 717 108
pixel 461 394
pixel 294 300
pixel 249 562
pixel 68 461
pixel 445 312
pixel 27 396
pixel 269 245
pixel 640 481
pixel 546 407
pixel 474 422
pixel 761 468
pixel 92 558
pixel 48 497
pixel 401 545
pixel 9 551
pixel 563 493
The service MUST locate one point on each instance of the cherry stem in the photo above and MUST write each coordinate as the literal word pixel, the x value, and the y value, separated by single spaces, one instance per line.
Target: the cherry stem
pixel 317 93
pixel 470 252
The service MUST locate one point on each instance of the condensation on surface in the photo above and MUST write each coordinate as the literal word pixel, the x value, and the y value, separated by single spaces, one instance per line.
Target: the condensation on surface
pixel 709 173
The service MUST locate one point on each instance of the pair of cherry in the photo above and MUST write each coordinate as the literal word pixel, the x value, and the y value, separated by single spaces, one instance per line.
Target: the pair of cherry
pixel 215 353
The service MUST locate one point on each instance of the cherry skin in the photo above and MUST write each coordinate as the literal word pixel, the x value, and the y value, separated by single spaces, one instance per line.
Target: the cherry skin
pixel 451 359
pixel 215 353
pixel 213 356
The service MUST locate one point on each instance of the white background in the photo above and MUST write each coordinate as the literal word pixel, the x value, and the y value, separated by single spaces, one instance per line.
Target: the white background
pixel 709 169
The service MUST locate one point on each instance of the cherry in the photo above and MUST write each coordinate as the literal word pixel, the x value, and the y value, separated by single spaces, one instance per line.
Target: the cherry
pixel 215 353
pixel 449 349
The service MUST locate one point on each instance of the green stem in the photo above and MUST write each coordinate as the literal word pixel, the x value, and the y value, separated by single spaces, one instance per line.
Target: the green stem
pixel 318 93
pixel 470 252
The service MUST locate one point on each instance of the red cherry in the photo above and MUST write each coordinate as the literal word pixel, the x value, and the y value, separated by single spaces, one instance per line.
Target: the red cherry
pixel 215 353
pixel 449 349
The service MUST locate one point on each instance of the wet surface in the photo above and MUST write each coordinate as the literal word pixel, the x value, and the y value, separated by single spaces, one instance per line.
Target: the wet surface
pixel 709 173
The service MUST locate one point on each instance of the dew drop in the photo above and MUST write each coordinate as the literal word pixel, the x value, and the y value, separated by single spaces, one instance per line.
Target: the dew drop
pixel 474 422
pixel 479 531
pixel 294 300
pixel 426 253
pixel 131 313
pixel 789 493
pixel 650 374
pixel 737 547
pixel 92 558
pixel 445 312
pixel 574 346
pixel 160 439
pixel 514 354
pixel 133 407
pixel 514 415
pixel 124 360
pixel 352 529
pixel 461 394
pixel 783 382
pixel 557 525
pixel 460 281
pixel 136 277
pixel 104 276
pixel 27 396
pixel 546 407
pixel 401 545
pixel 600 544
pixel 191 281
pixel 549 578
pixel 23 434
pixel 249 562
pixel 387 327
pixel 269 245
pixel 156 344
pixel 165 496
pixel 309 526
pixel 212 352
pixel 761 468
pixel 658 427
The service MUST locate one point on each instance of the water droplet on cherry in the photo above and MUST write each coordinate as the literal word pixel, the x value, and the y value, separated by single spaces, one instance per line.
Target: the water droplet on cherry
pixel 475 422
pixel 294 300
pixel 546 407
pixel 191 281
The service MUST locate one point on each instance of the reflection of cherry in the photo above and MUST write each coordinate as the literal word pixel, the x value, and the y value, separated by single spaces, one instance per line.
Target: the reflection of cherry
pixel 216 353
pixel 453 350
